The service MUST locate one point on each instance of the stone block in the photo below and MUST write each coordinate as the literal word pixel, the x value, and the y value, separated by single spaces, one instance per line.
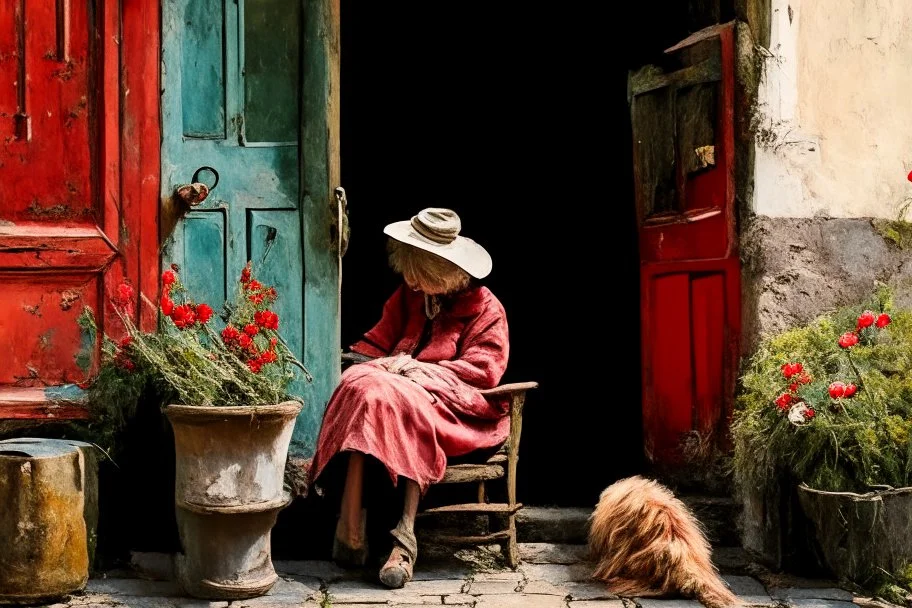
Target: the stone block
pixel 552 525
pixel 520 600
pixel 550 553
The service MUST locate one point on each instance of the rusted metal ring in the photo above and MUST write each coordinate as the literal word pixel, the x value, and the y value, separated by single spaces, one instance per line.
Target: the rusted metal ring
pixel 195 178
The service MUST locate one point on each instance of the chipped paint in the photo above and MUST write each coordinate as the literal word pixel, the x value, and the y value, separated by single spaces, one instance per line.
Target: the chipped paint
pixel 68 297
pixel 54 211
pixel 34 309
pixel 46 339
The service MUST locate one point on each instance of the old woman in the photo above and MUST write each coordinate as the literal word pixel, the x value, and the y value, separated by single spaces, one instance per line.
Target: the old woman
pixel 441 337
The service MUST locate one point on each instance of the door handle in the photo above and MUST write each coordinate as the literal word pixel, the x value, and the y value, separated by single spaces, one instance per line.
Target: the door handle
pixel 196 192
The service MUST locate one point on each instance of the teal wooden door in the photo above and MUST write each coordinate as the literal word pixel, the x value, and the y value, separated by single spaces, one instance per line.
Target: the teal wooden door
pixel 233 98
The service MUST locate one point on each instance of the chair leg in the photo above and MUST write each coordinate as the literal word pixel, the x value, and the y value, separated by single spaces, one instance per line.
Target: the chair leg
pixel 510 547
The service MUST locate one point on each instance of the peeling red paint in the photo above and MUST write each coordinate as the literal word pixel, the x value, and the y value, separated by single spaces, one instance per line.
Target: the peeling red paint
pixel 64 73
pixel 46 339
pixel 68 297
pixel 57 212
pixel 32 310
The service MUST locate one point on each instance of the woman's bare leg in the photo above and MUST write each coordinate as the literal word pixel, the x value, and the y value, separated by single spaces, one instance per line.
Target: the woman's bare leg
pixel 350 529
pixel 392 573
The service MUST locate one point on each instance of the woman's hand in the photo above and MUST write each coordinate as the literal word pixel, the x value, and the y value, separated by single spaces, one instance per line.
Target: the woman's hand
pixel 398 364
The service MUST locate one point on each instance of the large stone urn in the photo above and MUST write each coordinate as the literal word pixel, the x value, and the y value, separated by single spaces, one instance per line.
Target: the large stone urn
pixel 230 464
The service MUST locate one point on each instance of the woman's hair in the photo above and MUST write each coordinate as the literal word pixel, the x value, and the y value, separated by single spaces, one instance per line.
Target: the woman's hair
pixel 431 272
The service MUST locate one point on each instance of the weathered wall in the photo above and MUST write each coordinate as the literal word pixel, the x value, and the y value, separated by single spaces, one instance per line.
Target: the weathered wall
pixel 826 144
pixel 796 268
pixel 831 135
pixel 833 125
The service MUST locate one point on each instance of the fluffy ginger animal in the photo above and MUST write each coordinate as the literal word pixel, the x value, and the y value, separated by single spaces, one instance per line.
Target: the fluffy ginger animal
pixel 646 542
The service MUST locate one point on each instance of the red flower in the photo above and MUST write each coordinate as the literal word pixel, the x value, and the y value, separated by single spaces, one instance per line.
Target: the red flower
pixel 793 387
pixel 251 330
pixel 203 313
pixel 268 357
pixel 848 339
pixel 272 293
pixel 850 390
pixel 266 319
pixel 167 305
pixel 273 342
pixel 909 177
pixel 183 316
pixel 790 369
pixel 783 401
pixel 124 294
pixel 168 278
pixel 126 341
pixel 837 390
pixel 244 341
pixel 865 319
pixel 245 274
pixel 255 365
pixel 253 285
pixel 230 334
pixel 883 319
pixel 809 413
pixel 805 378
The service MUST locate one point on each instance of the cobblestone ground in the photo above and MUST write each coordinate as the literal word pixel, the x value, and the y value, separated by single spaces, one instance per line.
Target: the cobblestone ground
pixel 469 579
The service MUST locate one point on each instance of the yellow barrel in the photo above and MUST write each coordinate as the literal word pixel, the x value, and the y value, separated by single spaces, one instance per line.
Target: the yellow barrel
pixel 44 552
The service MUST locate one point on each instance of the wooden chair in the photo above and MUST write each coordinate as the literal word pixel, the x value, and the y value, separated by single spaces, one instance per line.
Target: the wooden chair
pixel 501 466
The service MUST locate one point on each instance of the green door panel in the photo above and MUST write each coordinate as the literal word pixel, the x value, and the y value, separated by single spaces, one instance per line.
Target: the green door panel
pixel 231 100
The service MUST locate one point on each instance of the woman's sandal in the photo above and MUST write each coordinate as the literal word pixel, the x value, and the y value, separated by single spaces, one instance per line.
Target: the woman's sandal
pixel 351 557
pixel 397 574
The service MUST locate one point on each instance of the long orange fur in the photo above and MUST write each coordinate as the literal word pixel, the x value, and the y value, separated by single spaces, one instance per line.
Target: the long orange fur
pixel 646 542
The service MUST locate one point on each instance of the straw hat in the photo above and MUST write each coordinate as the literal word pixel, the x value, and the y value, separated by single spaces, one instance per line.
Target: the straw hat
pixel 437 230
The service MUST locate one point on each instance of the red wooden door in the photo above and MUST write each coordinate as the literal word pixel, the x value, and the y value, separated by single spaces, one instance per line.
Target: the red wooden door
pixel 683 142
pixel 79 170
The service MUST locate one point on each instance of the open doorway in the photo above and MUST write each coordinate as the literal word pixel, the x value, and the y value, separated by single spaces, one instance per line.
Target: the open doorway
pixel 517 119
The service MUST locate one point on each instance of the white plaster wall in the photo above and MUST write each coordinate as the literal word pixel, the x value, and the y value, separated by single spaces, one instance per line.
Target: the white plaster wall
pixel 834 118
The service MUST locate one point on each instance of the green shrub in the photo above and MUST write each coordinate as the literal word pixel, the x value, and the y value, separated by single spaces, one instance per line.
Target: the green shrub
pixel 824 434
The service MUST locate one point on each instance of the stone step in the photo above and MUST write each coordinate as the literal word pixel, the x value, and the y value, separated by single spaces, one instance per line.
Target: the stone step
pixel 570 525
pixel 555 525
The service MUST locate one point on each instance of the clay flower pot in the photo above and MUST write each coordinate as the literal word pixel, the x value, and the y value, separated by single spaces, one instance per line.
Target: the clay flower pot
pixel 230 464
pixel 861 535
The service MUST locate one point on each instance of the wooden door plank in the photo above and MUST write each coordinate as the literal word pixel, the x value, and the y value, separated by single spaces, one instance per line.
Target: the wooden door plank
pixel 141 152
pixel 709 320
pixel 320 174
pixel 668 406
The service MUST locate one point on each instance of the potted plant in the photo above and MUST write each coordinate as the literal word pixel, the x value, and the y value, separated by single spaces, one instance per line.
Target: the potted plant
pixel 829 404
pixel 224 391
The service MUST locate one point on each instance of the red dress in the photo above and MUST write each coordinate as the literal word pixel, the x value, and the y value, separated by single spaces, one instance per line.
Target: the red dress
pixel 413 423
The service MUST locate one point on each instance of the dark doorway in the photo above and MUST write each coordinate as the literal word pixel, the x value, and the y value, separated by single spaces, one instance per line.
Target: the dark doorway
pixel 517 118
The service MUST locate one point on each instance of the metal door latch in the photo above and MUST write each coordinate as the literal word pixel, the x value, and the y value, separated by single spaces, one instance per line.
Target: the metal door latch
pixel 196 192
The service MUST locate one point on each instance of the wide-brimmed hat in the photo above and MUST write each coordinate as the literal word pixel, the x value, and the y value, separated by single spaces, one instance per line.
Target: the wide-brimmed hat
pixel 437 230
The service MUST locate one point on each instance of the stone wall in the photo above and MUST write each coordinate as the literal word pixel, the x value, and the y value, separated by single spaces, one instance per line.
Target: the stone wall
pixel 797 268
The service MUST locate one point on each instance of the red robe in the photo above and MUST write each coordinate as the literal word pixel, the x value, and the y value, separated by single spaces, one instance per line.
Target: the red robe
pixel 413 423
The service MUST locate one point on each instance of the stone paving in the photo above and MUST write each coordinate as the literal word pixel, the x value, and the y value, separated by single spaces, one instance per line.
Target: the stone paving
pixel 468 579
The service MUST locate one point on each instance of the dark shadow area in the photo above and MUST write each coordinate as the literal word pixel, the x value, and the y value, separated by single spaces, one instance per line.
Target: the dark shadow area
pixel 517 118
